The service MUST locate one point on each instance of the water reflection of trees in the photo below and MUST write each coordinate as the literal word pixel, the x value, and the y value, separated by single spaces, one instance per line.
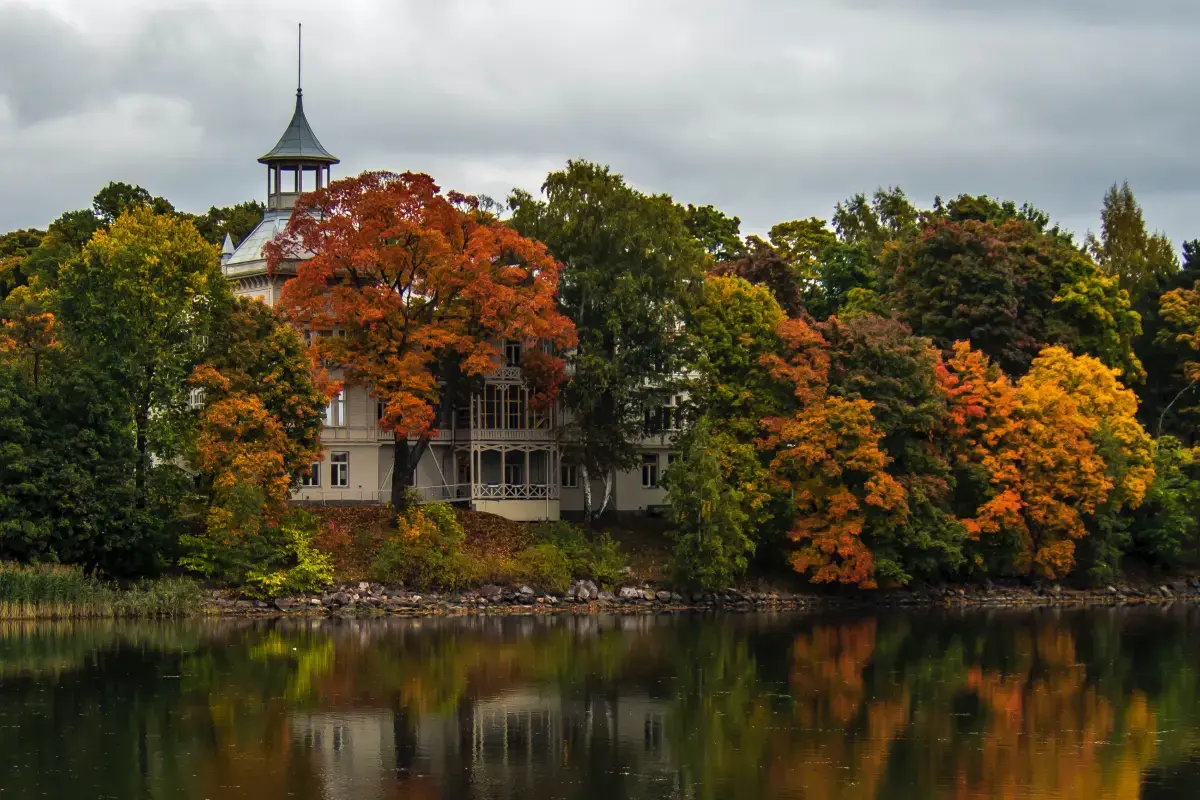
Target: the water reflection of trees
pixel 1063 705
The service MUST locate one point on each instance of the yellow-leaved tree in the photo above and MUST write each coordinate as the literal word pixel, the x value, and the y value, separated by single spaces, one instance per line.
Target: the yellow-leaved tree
pixel 1061 448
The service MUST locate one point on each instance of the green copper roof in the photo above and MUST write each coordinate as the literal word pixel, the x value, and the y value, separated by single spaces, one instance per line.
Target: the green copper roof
pixel 299 142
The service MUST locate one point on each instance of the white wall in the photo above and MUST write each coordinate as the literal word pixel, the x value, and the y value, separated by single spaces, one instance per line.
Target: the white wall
pixel 521 510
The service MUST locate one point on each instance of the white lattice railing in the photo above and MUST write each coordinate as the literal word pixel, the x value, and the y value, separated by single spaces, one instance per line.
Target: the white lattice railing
pixel 502 491
pixel 506 374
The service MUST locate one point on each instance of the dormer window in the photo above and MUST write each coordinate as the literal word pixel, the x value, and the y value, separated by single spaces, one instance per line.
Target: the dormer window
pixel 512 353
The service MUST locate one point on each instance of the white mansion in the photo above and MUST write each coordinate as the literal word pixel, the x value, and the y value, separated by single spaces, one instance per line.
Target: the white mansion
pixel 497 453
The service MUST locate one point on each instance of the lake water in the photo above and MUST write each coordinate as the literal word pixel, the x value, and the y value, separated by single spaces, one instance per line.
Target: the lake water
pixel 906 706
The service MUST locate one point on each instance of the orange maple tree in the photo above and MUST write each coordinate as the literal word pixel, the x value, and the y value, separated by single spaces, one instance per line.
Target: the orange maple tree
pixel 259 426
pixel 829 456
pixel 422 287
pixel 1057 446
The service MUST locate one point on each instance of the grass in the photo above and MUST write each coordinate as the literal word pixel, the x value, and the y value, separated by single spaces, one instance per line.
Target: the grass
pixel 52 591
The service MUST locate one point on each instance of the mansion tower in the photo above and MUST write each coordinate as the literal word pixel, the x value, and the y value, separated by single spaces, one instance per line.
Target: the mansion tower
pixel 495 453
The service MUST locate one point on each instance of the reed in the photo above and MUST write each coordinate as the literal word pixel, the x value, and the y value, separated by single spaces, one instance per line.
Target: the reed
pixel 53 591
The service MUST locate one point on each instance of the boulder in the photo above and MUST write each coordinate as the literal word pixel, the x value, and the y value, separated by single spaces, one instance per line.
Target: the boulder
pixel 525 591
pixel 630 593
pixel 583 594
pixel 662 597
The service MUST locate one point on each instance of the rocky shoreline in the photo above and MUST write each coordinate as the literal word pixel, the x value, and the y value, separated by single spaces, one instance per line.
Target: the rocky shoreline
pixel 365 599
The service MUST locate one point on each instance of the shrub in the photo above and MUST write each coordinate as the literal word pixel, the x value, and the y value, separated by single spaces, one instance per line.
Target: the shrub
pixel 543 565
pixel 599 558
pixel 297 566
pixel 280 559
pixel 426 550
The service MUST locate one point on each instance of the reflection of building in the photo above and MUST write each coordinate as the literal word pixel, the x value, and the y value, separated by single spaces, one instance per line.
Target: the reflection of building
pixel 494 451
pixel 517 740
pixel 351 751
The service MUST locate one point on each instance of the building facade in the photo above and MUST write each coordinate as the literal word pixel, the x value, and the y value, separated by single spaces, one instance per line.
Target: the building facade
pixel 495 453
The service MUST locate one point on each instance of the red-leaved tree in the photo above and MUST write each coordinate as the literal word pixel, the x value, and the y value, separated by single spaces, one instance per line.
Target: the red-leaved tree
pixel 423 288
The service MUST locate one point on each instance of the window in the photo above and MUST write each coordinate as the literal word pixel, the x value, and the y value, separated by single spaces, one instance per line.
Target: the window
pixel 515 408
pixel 335 412
pixel 514 473
pixel 570 476
pixel 339 470
pixel 671 459
pixel 492 398
pixel 650 470
pixel 312 475
pixel 512 353
pixel 196 398
pixel 667 417
pixel 378 410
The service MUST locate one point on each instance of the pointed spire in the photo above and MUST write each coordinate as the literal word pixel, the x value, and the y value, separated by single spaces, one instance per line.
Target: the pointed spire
pixel 227 249
pixel 299 141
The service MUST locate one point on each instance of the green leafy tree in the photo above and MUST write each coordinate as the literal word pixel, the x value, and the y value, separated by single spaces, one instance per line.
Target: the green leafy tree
pixel 886 216
pixel 1140 260
pixel 140 301
pixel 1166 527
pixel 801 242
pixel 66 452
pixel 630 264
pixel 719 234
pixel 118 198
pixel 730 330
pixel 982 208
pixel 846 278
pixel 1011 291
pixel 717 489
pixel 236 220
pixel 720 494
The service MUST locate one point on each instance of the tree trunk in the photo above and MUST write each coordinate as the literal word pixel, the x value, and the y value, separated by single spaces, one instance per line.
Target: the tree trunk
pixel 608 484
pixel 587 492
pixel 141 420
pixel 405 459
pixel 1182 392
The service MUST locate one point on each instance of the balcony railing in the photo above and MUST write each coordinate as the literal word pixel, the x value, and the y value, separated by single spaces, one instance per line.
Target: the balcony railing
pixel 505 491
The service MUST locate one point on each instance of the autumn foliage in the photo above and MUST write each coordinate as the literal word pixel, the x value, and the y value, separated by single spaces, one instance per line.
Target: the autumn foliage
pixel 1047 444
pixel 1051 454
pixel 420 286
pixel 828 456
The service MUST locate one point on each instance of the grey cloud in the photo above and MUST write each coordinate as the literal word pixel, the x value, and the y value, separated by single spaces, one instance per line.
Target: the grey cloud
pixel 768 109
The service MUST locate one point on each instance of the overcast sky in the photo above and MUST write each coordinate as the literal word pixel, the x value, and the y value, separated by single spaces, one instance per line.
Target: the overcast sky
pixel 768 109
